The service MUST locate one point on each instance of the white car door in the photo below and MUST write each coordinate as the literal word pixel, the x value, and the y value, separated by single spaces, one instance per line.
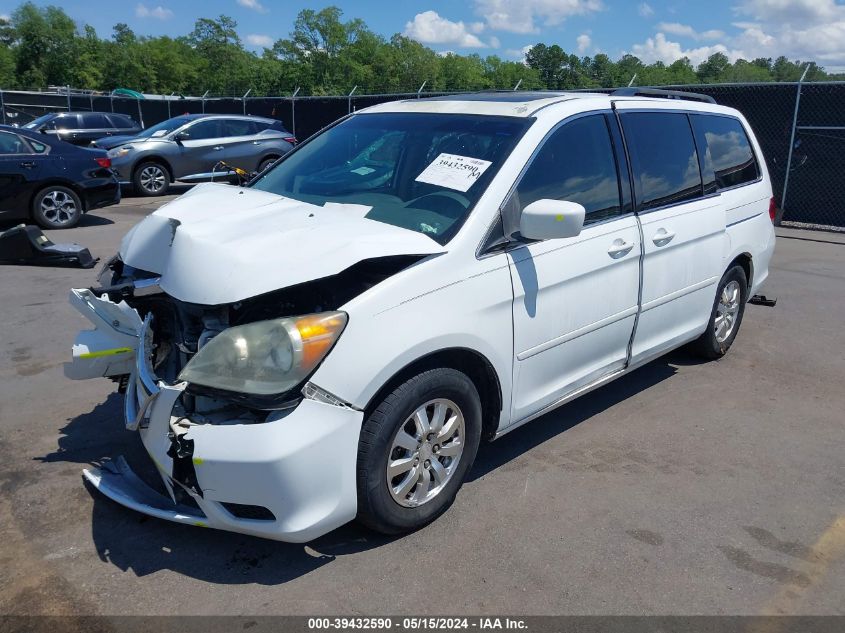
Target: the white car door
pixel 684 235
pixel 575 299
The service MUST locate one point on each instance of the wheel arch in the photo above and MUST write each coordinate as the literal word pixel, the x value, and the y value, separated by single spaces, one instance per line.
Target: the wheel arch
pixel 472 363
pixel 745 261
pixel 154 158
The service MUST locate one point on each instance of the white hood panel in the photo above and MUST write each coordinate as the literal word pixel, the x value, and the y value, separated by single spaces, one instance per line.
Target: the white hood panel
pixel 220 244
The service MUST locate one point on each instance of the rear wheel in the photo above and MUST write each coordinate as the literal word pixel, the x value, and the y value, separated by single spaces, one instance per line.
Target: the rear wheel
pixel 265 164
pixel 726 316
pixel 151 179
pixel 415 450
pixel 56 207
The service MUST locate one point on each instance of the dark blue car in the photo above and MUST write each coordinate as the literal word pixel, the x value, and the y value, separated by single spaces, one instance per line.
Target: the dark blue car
pixel 51 182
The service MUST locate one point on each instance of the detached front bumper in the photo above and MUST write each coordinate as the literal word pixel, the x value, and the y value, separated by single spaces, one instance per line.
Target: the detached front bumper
pixel 296 471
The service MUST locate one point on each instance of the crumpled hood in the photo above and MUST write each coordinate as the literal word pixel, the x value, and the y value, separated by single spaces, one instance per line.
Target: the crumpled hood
pixel 220 244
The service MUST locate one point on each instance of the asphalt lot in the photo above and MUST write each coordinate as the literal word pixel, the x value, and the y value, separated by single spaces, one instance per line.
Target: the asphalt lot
pixel 683 488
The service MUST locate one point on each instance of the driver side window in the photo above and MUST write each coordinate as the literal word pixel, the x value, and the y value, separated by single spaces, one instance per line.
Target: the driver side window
pixel 576 163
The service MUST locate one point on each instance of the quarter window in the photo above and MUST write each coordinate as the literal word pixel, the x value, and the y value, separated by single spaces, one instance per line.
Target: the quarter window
pixel 663 158
pixel 727 158
pixel 576 163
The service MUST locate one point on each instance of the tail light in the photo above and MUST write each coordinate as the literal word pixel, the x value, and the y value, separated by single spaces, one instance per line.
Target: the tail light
pixel 773 209
pixel 103 161
pixel 291 139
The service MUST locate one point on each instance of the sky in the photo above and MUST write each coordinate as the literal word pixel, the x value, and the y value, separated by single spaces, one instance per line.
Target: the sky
pixel 654 30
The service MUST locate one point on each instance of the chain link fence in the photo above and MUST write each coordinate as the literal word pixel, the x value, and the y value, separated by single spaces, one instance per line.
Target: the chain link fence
pixel 800 126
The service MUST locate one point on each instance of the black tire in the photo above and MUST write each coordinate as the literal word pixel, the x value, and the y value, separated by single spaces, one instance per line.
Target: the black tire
pixel 56 207
pixel 708 344
pixel 377 508
pixel 264 164
pixel 151 178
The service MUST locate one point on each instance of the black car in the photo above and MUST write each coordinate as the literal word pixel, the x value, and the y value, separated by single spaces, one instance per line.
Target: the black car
pixel 80 128
pixel 51 182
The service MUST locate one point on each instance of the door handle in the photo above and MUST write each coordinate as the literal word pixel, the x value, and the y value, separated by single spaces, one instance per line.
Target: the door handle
pixel 619 248
pixel 663 237
pixel 218 147
pixel 28 164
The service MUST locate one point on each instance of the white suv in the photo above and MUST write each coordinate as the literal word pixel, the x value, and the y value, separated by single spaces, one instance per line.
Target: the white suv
pixel 334 340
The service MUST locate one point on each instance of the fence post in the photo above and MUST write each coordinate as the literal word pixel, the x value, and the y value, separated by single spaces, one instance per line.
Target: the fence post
pixel 67 89
pixel 203 101
pixel 169 99
pixel 3 107
pixel 111 101
pixel 243 99
pixel 91 100
pixel 293 111
pixel 349 100
pixel 421 88
pixel 140 114
pixel 782 209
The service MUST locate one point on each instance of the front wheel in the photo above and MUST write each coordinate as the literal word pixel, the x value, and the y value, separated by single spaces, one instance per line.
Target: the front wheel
pixel 415 450
pixel 726 316
pixel 151 179
pixel 56 207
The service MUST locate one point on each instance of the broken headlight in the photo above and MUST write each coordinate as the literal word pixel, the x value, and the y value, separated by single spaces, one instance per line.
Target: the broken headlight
pixel 266 357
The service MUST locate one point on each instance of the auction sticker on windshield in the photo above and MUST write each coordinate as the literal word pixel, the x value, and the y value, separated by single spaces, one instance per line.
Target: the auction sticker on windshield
pixel 453 171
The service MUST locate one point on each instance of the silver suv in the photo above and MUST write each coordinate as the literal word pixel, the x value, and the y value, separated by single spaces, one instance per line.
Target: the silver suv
pixel 190 148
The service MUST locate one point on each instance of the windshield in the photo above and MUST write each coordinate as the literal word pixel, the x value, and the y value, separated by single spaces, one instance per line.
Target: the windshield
pixel 36 122
pixel 165 126
pixel 418 171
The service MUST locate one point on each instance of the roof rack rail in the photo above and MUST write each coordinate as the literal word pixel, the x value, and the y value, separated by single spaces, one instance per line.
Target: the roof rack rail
pixel 657 92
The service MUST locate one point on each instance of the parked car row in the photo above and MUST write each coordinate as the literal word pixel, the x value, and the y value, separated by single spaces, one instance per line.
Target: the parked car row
pixel 61 165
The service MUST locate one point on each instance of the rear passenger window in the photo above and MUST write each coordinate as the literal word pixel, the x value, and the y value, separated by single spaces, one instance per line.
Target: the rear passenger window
pixel 239 127
pixel 11 144
pixel 95 121
pixel 663 158
pixel 726 156
pixel 576 163
pixel 122 122
pixel 67 122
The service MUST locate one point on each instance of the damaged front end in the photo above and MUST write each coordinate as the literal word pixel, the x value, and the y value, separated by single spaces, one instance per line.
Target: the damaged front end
pixel 278 465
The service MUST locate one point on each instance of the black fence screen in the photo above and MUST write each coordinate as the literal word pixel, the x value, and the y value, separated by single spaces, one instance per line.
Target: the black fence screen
pixel 810 169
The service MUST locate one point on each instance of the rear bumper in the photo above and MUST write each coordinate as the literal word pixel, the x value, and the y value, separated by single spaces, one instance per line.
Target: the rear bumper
pixel 299 464
pixel 102 195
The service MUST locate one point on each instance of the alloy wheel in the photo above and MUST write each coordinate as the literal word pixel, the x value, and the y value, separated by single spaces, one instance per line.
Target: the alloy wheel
pixel 425 452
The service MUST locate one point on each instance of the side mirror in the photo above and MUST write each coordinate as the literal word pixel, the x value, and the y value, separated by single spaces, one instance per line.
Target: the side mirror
pixel 179 137
pixel 549 219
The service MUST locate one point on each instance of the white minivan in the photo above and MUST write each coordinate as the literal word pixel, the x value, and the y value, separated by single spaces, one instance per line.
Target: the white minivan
pixel 334 340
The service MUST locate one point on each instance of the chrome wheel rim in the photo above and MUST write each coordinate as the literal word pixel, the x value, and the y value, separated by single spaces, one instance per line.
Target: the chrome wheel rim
pixel 59 207
pixel 425 452
pixel 727 311
pixel 152 178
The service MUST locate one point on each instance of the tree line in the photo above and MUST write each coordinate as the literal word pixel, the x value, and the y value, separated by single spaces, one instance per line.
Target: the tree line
pixel 324 54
